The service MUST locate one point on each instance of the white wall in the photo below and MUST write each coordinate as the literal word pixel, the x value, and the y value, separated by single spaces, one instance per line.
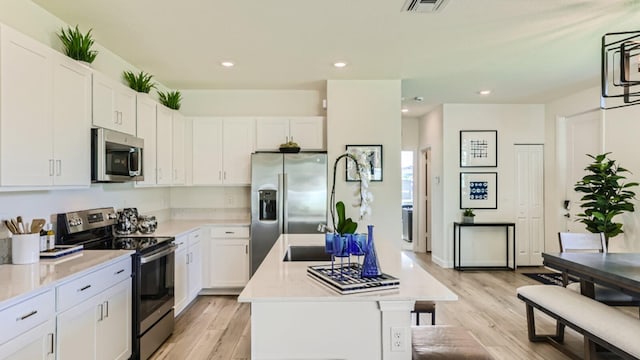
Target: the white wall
pixel 431 136
pixel 410 133
pixel 368 112
pixel 516 124
pixel 252 103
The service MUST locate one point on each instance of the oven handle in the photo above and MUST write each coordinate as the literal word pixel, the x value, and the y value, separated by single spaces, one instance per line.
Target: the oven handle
pixel 159 254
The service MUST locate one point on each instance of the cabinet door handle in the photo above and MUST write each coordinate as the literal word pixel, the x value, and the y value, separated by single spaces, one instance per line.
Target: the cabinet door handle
pixel 115 120
pixel 119 272
pixel 84 288
pixel 225 175
pixel 246 249
pixel 106 309
pixel 101 312
pixel 58 167
pixel 229 232
pixel 23 317
pixel 219 175
pixel 51 343
pixel 50 167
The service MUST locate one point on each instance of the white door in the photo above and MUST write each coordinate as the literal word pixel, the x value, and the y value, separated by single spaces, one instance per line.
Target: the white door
pixel 164 149
pixel 35 344
pixel 76 327
pixel 271 132
pixel 179 169
pixel 114 325
pixel 530 204
pixel 181 282
pixel 238 145
pixel 207 151
pixel 146 129
pixel 583 136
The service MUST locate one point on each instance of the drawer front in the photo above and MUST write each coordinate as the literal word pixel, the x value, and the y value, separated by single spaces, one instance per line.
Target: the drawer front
pixel 81 289
pixel 228 232
pixel 195 236
pixel 26 315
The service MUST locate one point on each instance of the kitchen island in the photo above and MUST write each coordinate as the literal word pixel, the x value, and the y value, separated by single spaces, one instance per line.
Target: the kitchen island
pixel 294 316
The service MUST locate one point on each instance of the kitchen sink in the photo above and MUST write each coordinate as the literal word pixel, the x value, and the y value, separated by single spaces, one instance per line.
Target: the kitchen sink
pixel 306 253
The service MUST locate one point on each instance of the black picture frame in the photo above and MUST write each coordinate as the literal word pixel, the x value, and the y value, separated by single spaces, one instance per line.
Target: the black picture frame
pixel 479 190
pixel 478 148
pixel 374 154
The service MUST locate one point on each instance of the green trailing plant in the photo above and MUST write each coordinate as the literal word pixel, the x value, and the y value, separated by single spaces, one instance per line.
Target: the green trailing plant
pixel 170 99
pixel 77 45
pixel 345 225
pixel 141 82
pixel 468 212
pixel 606 196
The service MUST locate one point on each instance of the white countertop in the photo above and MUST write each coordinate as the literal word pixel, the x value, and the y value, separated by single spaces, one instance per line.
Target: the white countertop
pixel 278 280
pixel 22 281
pixel 179 227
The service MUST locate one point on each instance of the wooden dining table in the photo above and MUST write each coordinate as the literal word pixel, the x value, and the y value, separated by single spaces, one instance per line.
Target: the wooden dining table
pixel 619 271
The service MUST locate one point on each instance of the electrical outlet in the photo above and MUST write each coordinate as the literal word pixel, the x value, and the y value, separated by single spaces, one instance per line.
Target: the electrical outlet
pixel 398 339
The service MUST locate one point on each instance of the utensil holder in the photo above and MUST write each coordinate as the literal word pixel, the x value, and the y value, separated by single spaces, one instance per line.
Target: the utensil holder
pixel 25 248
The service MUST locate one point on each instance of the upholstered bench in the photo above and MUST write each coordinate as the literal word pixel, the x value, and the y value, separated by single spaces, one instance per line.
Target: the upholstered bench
pixel 599 323
pixel 442 342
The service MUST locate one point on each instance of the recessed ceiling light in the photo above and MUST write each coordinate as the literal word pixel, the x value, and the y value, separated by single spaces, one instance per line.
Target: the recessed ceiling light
pixel 484 92
pixel 340 64
pixel 404 110
pixel 227 64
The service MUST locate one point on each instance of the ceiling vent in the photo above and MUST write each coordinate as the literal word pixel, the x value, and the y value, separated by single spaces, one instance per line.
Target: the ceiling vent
pixel 423 6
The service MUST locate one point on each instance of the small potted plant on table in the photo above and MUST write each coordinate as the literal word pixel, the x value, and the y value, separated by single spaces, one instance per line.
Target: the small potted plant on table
pixel 467 216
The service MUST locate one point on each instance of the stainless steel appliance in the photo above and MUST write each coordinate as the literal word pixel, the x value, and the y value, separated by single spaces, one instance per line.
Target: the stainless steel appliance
pixel 115 156
pixel 288 195
pixel 153 272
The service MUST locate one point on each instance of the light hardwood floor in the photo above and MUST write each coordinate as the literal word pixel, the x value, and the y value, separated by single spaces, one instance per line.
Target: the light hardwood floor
pixel 218 327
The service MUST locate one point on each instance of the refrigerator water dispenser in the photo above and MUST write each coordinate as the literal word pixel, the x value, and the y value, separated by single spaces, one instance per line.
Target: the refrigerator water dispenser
pixel 268 205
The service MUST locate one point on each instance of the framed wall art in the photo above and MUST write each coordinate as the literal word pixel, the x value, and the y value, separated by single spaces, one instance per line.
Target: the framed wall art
pixel 478 190
pixel 478 148
pixel 374 157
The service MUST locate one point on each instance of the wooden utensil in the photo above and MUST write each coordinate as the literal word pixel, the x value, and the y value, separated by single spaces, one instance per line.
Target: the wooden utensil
pixel 20 225
pixel 37 225
pixel 15 226
pixel 10 226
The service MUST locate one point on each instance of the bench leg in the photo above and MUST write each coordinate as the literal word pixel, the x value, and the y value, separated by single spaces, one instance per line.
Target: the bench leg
pixel 531 329
pixel 589 349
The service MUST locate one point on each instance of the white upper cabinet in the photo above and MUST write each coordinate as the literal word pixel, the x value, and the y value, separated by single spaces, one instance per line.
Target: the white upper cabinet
pixel 222 150
pixel 146 129
pixel 45 112
pixel 72 122
pixel 114 105
pixel 179 169
pixel 306 131
pixel 164 150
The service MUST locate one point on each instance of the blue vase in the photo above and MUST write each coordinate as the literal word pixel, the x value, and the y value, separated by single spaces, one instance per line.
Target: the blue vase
pixel 370 265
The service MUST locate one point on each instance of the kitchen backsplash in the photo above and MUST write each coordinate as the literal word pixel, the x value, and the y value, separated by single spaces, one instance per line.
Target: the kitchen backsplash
pixel 243 214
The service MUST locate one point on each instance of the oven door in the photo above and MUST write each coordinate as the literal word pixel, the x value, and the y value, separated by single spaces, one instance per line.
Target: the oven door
pixel 155 286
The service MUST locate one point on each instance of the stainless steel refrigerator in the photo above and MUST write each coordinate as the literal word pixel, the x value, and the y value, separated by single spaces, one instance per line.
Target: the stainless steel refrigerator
pixel 288 196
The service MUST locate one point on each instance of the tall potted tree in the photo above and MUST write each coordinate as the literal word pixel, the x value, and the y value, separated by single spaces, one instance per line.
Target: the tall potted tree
pixel 606 195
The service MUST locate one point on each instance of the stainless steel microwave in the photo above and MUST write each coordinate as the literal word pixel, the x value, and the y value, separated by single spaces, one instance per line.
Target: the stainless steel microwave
pixel 115 156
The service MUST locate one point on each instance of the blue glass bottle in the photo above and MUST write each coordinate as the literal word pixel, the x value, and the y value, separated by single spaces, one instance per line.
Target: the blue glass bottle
pixel 370 265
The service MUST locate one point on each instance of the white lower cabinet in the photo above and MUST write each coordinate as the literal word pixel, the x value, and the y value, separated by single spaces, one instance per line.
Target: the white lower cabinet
pixel 226 261
pixel 99 328
pixel 188 269
pixel 36 344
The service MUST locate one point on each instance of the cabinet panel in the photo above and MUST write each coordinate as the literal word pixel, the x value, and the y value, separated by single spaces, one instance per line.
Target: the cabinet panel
pixel 114 326
pixel 26 315
pixel 271 132
pixel 72 122
pixel 26 143
pixel 126 105
pixel 114 105
pixel 146 129
pixel 238 145
pixel 228 264
pixel 195 268
pixel 164 149
pixel 207 151
pixel 308 132
pixel 178 148
pixel 76 327
pixel 36 344
pixel 181 282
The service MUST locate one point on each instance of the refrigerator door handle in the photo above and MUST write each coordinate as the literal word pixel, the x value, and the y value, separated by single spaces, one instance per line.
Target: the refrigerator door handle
pixel 281 204
pixel 285 209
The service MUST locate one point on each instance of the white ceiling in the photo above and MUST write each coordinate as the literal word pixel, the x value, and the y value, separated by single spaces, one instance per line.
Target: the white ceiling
pixel 526 51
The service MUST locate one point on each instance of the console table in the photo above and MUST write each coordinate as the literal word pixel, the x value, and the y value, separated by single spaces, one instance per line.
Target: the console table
pixel 457 248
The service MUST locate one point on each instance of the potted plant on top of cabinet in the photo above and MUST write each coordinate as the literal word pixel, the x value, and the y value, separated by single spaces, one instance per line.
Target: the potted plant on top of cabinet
pixel 170 99
pixel 467 216
pixel 141 83
pixel 77 45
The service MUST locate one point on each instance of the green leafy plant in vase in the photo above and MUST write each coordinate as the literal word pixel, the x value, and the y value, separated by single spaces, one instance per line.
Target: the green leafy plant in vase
pixel 141 83
pixel 606 196
pixel 78 45
pixel 467 216
pixel 170 99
